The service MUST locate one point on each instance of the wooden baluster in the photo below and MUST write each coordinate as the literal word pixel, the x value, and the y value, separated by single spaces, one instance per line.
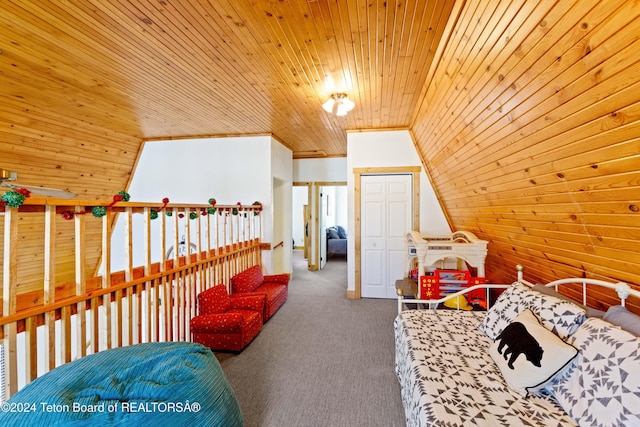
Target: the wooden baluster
pixel 9 288
pixel 239 241
pixel 149 288
pixel 164 302
pixel 217 224
pixel 138 304
pixel 132 314
pixel 200 277
pixel 244 221
pixel 225 218
pixel 95 324
pixel 119 318
pixel 232 241
pixel 49 287
pixel 188 282
pixel 65 334
pixel 258 226
pixel 106 278
pixel 119 303
pixel 31 348
pixel 81 286
pixel 175 292
pixel 209 280
pixel 225 266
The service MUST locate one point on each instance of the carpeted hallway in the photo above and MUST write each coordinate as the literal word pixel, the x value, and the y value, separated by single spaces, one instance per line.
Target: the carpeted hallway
pixel 322 360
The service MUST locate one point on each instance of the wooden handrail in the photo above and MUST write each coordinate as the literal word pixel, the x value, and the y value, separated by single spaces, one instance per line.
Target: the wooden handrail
pixel 21 315
pixel 31 203
pixel 144 303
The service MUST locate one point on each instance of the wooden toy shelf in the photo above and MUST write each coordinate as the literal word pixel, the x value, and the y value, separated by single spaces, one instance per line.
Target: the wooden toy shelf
pixel 426 251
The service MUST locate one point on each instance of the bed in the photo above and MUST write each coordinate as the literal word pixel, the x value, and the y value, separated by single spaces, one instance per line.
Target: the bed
pixel 173 383
pixel 336 241
pixel 454 365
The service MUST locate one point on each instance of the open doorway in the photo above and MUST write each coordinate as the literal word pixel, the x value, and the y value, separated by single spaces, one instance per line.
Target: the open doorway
pixel 317 207
pixel 333 223
pixel 301 220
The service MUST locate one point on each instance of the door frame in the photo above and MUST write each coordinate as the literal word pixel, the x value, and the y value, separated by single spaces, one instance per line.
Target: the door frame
pixel 358 172
pixel 318 212
pixel 308 236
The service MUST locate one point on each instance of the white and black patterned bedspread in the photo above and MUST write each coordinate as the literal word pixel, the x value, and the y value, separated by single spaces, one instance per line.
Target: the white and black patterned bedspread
pixel 448 378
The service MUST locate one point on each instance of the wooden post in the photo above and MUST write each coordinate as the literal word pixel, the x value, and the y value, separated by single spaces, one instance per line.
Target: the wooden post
pixel 132 313
pixel 65 335
pixel 149 287
pixel 49 287
pixel 175 283
pixel 208 277
pixel 9 288
pixel 217 219
pixel 201 276
pixel 188 279
pixel 81 288
pixel 165 304
pixel 106 277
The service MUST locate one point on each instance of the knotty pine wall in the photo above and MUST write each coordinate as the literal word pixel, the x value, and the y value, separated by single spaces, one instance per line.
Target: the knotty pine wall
pixel 54 150
pixel 530 132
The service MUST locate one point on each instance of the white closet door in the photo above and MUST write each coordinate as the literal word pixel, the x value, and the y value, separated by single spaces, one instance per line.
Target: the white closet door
pixel 385 220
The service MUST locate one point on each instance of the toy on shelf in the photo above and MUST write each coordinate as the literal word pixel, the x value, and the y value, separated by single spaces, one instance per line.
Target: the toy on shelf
pixel 429 260
pixel 429 288
pixel 444 282
pixel 462 245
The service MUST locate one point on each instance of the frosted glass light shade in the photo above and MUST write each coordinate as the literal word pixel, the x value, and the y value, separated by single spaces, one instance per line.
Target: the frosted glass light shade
pixel 339 104
pixel 328 106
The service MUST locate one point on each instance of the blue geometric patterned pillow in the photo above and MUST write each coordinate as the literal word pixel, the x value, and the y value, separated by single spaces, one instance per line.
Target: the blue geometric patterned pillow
pixel 603 386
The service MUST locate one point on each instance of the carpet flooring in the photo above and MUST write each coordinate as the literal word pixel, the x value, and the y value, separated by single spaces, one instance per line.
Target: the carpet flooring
pixel 321 360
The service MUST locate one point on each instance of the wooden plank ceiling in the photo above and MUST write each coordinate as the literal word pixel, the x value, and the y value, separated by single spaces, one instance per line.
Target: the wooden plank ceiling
pixel 526 113
pixel 85 82
pixel 531 135
pixel 171 69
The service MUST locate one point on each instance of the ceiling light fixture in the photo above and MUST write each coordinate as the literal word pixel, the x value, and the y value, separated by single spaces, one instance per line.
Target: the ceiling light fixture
pixel 338 104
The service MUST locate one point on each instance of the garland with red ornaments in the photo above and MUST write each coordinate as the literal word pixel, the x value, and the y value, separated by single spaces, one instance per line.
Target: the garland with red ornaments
pixel 99 211
pixel 15 198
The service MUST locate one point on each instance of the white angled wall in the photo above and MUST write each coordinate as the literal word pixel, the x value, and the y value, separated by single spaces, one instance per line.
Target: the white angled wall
pixel 231 170
pixel 333 169
pixel 389 149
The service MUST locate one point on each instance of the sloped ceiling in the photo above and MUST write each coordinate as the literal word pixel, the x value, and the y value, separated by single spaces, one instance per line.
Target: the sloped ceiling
pixel 525 112
pixel 170 69
pixel 530 132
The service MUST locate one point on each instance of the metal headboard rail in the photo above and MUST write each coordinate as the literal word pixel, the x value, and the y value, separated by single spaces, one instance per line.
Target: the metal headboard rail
pixel 622 289
pixel 433 303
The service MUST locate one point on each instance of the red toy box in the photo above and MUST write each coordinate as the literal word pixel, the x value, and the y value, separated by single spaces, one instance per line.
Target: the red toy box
pixel 428 288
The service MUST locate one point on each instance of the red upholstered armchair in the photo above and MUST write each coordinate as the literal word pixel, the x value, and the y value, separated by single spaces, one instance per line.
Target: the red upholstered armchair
pixel 225 322
pixel 274 287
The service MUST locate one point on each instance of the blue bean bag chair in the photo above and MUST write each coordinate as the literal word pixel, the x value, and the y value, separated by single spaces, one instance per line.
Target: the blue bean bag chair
pixel 153 384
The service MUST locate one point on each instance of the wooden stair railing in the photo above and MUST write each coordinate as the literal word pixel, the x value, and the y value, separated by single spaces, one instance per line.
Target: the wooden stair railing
pixel 54 311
